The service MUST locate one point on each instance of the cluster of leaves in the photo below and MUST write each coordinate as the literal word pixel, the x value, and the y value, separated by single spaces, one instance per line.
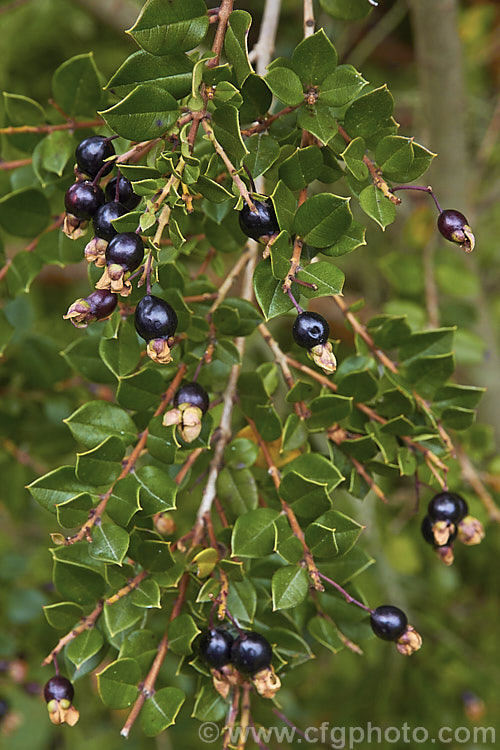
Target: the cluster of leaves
pixel 332 130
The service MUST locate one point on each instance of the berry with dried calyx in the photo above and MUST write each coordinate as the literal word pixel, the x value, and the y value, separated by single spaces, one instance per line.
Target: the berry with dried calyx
pixel 260 225
pixel 310 331
pixel 124 253
pixel 91 154
pixel 190 404
pixel 156 323
pixel 214 647
pixel 446 535
pixel 103 217
pixel 454 227
pixel 97 306
pixel 126 195
pixel 82 199
pixel 58 693
pixel 251 652
pixel 391 624
pixel 447 506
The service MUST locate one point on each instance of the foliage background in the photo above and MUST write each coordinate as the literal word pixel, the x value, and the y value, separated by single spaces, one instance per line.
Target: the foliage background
pixel 456 608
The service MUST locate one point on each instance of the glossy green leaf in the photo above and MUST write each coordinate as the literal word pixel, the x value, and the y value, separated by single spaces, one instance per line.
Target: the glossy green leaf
pixel 62 615
pixel 167 28
pixel 117 683
pixel 347 10
pixel 314 59
pixel 369 114
pixel 25 212
pixel 285 85
pixel 123 502
pixel 341 87
pixel 160 710
pixel 109 543
pixel 327 278
pixel 325 632
pixel 269 291
pixel 147 595
pixel 146 113
pixel 237 490
pixel 181 633
pixel 226 127
pixel 377 206
pixel 22 271
pixel 253 533
pixel 157 490
pixel 353 157
pixel 141 390
pixel 301 168
pixel 76 86
pixel 263 150
pixel 102 464
pixel 323 219
pixel 93 422
pixel 56 487
pixel 235 44
pixel 121 615
pixel 84 647
pixel 242 600
pixel 290 586
pixel 319 120
pixel 170 72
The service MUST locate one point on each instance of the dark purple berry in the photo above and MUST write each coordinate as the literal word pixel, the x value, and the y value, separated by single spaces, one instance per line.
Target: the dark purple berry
pixel 103 217
pixel 388 622
pixel 451 225
pixel 125 249
pixel 427 533
pixel 310 329
pixel 259 225
pixel 447 506
pixel 126 195
pixel 58 688
pixel 102 303
pixel 91 153
pixel 193 394
pixel 155 318
pixel 251 652
pixel 214 647
pixel 83 199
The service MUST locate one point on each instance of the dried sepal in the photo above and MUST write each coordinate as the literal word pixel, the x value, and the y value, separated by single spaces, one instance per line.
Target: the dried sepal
pixel 409 642
pixel 442 531
pixel 470 531
pixel 468 242
pixel 445 554
pixel 62 712
pixel 95 251
pixel 323 356
pixel 225 678
pixel 73 227
pixel 80 314
pixel 114 279
pixel 159 350
pixel 267 682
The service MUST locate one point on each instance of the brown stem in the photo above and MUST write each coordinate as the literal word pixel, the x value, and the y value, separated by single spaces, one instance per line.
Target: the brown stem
pixel 471 476
pixel 225 11
pixel 232 171
pixel 264 125
pixel 131 585
pixel 96 513
pixel 86 623
pixel 206 297
pixel 376 174
pixel 7 165
pixel 16 129
pixel 231 719
pixel 245 715
pixel 149 682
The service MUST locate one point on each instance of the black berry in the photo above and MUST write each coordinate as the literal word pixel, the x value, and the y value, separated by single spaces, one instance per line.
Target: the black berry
pixel 155 318
pixel 193 394
pixel 261 224
pixel 388 622
pixel 126 195
pixel 446 506
pixel 451 225
pixel 83 199
pixel 102 303
pixel 251 652
pixel 58 688
pixel 310 329
pixel 91 153
pixel 214 647
pixel 103 217
pixel 427 533
pixel 125 249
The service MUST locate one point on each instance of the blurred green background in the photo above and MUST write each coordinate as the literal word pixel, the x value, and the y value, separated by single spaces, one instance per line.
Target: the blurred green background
pixel 444 78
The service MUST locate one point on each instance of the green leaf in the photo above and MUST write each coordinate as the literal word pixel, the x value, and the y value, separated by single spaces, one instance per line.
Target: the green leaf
pixel 394 156
pixel 161 442
pixel 76 86
pixel 147 595
pixel 102 464
pixel 328 278
pixel 121 352
pixel 146 113
pixel 285 85
pixel 117 683
pixel 181 633
pixel 121 615
pixel 140 391
pixel 158 490
pixel 294 433
pixel 377 206
pixel 350 240
pixel 109 543
pixel 209 705
pixel 24 213
pixel 84 647
pixel 74 512
pixel 369 114
pixel 341 87
pixel 422 159
pixel 242 600
pixel 63 615
pixel 172 27
pixel 290 586
pixel 301 168
pixel 170 72
pixel 6 331
pixel 322 219
pixel 347 10
pixel 253 533
pixel 124 500
pixel 235 44
pixel 23 269
pixel 240 453
pixel 160 710
pixel 83 356
pixel 314 59
pixel 56 487
pixel 96 420
pixel 56 149
pixel 77 583
pixel 325 632
pixel 237 490
pixel 285 205
pixel 269 291
pixel 263 151
pixel 226 127
pixel 21 110
pixel 332 534
pixel 326 410
pixel 318 119
pixel 353 157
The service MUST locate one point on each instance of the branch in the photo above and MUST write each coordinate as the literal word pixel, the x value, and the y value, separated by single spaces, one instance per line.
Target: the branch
pixel 308 18
pixel 71 125
pixel 7 165
pixel 292 518
pixel 149 683
pixel 223 16
pixel 96 513
pixel 300 407
pixel 297 249
pixel 242 188
pixel 264 49
pixel 131 585
pixel 86 623
pixel 471 476
pixel 265 124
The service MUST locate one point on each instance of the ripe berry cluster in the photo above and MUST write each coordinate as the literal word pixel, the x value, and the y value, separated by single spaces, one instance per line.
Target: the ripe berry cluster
pixel 249 653
pixel 448 518
pixel 391 624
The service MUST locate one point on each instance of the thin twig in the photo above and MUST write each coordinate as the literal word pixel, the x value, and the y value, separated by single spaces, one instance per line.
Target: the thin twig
pixel 19 129
pixel 242 188
pixel 470 475
pixel 86 623
pixel 265 124
pixel 300 407
pixel 308 18
pixel 131 585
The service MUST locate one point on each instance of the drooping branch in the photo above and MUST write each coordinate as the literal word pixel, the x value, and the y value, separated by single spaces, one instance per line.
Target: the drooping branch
pixel 86 623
